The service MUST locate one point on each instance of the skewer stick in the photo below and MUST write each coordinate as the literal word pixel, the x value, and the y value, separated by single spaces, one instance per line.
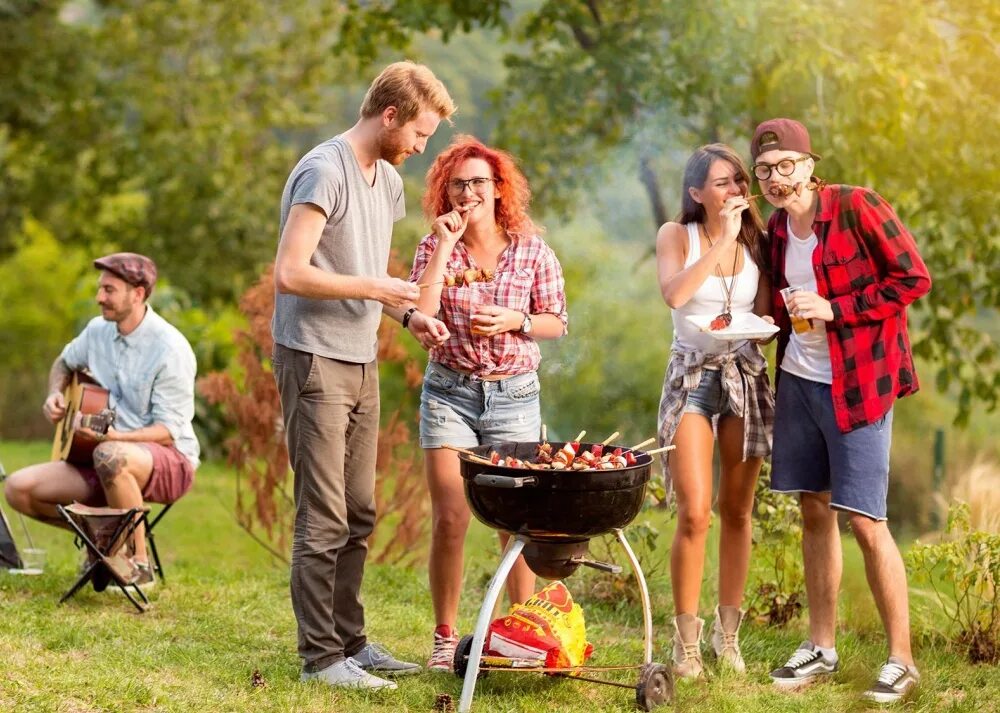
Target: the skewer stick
pixel 610 438
pixel 580 437
pixel 660 450
pixel 422 285
pixel 466 452
pixel 545 433
pixel 645 443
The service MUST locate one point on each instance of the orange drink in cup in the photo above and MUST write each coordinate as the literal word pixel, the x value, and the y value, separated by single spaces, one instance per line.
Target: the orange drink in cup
pixel 799 324
pixel 480 295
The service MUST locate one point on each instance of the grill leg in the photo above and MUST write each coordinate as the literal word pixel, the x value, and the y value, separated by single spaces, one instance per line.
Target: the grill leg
pixel 647 611
pixel 514 547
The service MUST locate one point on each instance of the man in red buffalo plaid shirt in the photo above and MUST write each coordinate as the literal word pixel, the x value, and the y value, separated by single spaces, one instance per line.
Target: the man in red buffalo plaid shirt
pixel 843 270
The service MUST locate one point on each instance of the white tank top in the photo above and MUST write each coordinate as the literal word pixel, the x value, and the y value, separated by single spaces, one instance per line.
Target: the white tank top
pixel 710 298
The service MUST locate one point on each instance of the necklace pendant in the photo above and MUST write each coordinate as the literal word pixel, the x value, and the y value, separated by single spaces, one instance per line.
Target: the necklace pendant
pixel 721 322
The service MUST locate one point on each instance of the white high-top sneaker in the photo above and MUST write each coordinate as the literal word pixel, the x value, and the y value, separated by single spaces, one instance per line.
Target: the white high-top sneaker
pixel 726 637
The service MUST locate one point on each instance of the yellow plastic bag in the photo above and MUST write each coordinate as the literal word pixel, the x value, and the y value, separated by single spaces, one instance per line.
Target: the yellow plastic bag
pixel 549 628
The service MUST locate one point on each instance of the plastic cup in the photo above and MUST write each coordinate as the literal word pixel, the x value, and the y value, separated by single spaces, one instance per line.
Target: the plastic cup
pixel 799 324
pixel 480 295
pixel 33 560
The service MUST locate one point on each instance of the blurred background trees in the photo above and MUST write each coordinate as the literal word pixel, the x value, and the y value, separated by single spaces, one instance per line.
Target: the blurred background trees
pixel 170 127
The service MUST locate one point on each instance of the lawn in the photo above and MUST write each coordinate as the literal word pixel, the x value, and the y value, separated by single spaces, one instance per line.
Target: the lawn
pixel 224 613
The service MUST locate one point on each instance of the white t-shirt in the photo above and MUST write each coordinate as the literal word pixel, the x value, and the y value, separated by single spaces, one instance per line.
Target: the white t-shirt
pixel 808 354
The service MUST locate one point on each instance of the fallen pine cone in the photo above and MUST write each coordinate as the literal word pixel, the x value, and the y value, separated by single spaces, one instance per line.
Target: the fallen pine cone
pixel 257 679
pixel 444 703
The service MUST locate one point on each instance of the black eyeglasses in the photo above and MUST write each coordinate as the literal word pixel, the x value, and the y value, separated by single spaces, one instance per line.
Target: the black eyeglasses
pixel 456 187
pixel 785 167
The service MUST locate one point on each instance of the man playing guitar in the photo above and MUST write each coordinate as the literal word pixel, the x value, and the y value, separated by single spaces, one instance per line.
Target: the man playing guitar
pixel 148 369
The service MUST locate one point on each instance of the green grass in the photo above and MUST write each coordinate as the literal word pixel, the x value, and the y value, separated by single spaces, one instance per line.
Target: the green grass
pixel 224 613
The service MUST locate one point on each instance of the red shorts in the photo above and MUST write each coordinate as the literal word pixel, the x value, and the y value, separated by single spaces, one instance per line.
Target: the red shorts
pixel 172 476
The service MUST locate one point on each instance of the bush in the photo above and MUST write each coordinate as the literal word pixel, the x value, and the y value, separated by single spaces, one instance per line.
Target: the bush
pixel 963 572
pixel 777 579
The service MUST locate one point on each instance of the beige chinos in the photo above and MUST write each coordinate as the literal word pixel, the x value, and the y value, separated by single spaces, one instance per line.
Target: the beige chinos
pixel 331 415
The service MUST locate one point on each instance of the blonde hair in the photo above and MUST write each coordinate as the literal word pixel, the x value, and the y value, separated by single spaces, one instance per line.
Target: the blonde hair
pixel 411 88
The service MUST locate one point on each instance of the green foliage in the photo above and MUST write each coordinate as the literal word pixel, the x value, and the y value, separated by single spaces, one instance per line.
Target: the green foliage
pixel 777 578
pixel 650 549
pixel 45 297
pixel 606 374
pixel 186 118
pixel 908 112
pixel 963 573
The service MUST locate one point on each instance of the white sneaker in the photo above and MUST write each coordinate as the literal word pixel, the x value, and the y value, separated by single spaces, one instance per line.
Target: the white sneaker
pixel 804 667
pixel 895 680
pixel 347 674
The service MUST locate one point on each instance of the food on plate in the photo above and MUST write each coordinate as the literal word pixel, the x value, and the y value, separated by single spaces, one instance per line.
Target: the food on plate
pixel 721 322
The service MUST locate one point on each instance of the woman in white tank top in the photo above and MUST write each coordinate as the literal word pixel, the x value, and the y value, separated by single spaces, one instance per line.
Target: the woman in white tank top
pixel 708 263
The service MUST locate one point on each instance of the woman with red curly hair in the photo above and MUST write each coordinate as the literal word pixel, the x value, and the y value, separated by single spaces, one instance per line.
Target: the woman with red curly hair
pixel 498 287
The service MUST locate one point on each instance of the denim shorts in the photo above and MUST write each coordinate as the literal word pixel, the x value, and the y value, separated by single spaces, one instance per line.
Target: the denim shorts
pixel 811 454
pixel 460 410
pixel 708 399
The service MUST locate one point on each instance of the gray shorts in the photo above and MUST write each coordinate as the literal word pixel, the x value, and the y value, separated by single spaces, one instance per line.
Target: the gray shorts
pixel 460 410
pixel 811 455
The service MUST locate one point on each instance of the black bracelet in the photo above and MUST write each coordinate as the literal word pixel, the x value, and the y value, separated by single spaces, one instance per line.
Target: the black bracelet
pixel 407 315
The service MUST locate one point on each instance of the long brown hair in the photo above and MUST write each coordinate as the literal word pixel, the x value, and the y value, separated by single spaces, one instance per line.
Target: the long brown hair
pixel 695 175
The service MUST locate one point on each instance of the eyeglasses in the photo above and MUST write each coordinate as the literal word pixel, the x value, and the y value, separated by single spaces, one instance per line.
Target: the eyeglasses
pixel 457 186
pixel 785 167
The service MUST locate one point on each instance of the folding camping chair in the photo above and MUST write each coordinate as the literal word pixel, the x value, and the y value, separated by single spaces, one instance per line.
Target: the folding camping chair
pixel 105 532
pixel 150 526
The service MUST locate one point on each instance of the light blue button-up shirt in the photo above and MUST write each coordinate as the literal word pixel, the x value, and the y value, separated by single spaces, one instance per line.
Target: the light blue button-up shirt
pixel 149 373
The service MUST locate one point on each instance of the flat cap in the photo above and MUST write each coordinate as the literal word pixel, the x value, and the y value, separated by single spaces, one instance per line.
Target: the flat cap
pixel 137 270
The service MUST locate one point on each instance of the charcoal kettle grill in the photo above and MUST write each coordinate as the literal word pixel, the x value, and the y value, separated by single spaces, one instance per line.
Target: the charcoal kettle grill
pixel 552 515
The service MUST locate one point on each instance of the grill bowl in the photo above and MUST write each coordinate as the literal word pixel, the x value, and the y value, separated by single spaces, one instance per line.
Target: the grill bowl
pixel 557 506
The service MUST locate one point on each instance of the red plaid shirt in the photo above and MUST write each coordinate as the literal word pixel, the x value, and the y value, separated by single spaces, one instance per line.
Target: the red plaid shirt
pixel 868 267
pixel 528 279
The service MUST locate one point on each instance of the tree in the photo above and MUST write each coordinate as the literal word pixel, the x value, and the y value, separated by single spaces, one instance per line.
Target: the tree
pixel 910 112
pixel 186 117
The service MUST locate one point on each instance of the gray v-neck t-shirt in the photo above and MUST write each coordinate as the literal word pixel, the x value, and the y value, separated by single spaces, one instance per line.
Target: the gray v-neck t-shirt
pixel 355 241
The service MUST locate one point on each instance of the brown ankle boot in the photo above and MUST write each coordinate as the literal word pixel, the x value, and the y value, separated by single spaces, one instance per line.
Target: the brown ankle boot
pixel 726 637
pixel 687 646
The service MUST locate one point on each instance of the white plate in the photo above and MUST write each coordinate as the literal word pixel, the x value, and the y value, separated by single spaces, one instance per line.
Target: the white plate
pixel 745 325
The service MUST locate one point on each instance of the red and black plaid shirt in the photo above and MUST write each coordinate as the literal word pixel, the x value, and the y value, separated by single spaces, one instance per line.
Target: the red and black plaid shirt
pixel 868 267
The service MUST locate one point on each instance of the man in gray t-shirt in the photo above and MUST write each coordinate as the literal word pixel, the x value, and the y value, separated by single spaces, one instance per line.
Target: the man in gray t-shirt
pixel 332 286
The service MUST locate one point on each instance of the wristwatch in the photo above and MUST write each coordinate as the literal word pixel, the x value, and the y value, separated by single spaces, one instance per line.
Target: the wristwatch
pixel 526 324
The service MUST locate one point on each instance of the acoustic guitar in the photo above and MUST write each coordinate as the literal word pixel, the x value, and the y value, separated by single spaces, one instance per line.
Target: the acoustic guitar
pixel 86 407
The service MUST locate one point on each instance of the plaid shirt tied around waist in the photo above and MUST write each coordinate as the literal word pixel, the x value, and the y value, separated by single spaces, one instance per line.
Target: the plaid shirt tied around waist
pixel 745 385
pixel 867 265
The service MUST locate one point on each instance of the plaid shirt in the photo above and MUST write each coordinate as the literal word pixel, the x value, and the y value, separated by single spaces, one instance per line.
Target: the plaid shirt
pixel 528 278
pixel 868 267
pixel 746 390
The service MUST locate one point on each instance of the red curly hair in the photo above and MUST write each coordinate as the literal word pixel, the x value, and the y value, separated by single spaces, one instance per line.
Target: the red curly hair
pixel 512 192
